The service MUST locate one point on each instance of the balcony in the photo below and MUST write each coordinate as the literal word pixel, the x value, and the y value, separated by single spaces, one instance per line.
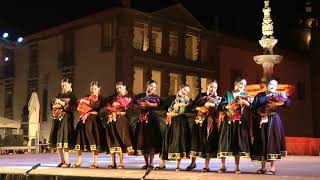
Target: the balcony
pixel 145 47
pixel 191 56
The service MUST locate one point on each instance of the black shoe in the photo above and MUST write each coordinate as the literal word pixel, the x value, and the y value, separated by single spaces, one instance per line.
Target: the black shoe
pixel 261 171
pixel 60 164
pixel 145 167
pixel 112 166
pixel 222 170
pixel 189 168
pixel 205 170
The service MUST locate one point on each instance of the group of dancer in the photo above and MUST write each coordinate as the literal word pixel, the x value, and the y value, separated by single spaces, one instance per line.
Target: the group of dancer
pixel 219 129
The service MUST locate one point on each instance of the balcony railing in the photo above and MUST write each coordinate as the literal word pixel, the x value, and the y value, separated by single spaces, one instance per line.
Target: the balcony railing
pixel 156 50
pixel 137 46
pixel 173 52
pixel 191 56
pixel 145 47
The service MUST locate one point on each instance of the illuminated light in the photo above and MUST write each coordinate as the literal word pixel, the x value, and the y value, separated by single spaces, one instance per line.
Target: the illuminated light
pixel 254 89
pixel 6 58
pixel 5 35
pixel 20 39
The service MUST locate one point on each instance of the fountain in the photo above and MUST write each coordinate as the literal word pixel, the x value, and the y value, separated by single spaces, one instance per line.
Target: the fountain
pixel 268 59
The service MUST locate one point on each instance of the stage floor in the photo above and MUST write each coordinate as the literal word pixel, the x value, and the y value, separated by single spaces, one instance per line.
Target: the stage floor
pixel 291 167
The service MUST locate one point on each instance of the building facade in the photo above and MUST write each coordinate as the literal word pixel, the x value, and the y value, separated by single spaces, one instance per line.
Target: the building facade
pixel 121 44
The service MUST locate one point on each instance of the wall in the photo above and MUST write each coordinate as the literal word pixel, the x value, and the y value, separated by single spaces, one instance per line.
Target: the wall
pixel 297 119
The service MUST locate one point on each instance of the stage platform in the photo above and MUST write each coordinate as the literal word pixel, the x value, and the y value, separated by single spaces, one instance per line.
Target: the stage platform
pixel 14 167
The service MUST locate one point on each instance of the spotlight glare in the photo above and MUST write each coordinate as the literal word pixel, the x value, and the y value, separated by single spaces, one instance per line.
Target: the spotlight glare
pixel 20 39
pixel 6 58
pixel 5 35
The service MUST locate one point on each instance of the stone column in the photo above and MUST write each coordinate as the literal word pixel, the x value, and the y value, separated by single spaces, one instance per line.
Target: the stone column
pixel 200 36
pixel 150 48
pixel 165 42
pixel 199 84
pixel 181 45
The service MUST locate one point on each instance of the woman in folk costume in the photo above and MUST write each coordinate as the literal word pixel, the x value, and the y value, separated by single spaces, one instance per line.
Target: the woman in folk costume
pixel 269 139
pixel 176 138
pixel 62 130
pixel 118 128
pixel 204 132
pixel 148 134
pixel 234 138
pixel 87 131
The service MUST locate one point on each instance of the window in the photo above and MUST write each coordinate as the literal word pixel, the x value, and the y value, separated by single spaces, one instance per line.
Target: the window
pixel 8 104
pixel 33 73
pixel 66 49
pixel 156 42
pixel 204 84
pixel 192 81
pixel 191 43
pixel 156 75
pixel 173 44
pixel 106 35
pixel 140 36
pixel 175 82
pixel 138 80
pixel 33 62
pixel 8 98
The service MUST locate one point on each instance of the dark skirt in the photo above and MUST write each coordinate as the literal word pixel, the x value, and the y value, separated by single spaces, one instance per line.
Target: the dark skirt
pixel 148 136
pixel 234 138
pixel 62 133
pixel 176 139
pixel 87 134
pixel 269 140
pixel 119 136
pixel 204 139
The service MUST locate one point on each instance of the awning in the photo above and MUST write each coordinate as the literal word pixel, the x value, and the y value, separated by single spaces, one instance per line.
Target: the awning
pixel 9 123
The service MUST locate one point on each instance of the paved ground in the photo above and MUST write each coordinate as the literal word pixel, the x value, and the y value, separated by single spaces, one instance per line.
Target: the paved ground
pixel 291 167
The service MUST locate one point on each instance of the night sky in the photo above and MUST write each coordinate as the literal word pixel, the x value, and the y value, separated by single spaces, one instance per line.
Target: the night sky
pixel 240 18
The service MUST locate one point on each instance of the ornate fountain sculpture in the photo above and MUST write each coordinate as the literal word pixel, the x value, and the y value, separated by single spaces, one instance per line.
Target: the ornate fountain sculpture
pixel 268 59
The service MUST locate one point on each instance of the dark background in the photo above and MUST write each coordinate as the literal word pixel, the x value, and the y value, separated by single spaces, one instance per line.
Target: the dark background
pixel 239 18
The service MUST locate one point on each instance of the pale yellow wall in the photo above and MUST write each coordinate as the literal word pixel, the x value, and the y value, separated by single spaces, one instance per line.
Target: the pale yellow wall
pixel 48 66
pixel 20 81
pixel 1 98
pixel 92 64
